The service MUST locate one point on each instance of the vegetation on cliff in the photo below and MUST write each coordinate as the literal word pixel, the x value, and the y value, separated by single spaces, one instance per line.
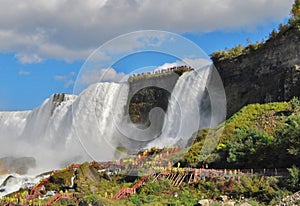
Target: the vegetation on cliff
pixel 258 136
pixel 294 22
pixel 178 70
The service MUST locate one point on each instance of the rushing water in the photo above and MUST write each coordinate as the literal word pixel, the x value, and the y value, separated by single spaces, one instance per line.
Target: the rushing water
pixel 184 112
pixel 69 128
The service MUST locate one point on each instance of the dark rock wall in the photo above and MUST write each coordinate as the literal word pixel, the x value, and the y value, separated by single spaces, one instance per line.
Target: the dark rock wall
pixel 148 93
pixel 269 74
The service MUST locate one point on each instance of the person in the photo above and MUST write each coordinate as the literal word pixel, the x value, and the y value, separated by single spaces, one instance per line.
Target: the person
pixel 230 173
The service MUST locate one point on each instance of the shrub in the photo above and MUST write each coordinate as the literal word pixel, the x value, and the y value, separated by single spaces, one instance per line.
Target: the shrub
pixel 295 103
pixel 295 12
pixel 293 182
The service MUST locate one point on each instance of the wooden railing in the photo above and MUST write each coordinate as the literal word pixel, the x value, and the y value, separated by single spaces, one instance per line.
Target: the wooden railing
pixel 59 196
pixel 131 190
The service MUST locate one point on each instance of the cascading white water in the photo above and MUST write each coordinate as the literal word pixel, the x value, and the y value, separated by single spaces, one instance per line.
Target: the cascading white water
pixel 96 116
pixel 71 128
pixel 184 109
pixel 52 132
pixel 15 181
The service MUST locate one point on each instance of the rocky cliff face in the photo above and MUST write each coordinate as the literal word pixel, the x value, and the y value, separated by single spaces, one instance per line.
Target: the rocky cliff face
pixel 269 74
pixel 146 93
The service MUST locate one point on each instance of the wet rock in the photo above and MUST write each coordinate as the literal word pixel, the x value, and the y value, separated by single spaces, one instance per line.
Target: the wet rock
pixel 19 165
pixel 4 183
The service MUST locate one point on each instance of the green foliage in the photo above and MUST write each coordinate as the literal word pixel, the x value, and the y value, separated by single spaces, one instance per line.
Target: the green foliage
pixel 265 136
pixel 187 196
pixel 97 200
pixel 144 76
pixel 228 54
pixel 135 199
pixel 238 50
pixel 293 181
pixel 251 148
pixel 235 51
pixel 295 103
pixel 288 141
pixel 273 34
pixel 156 188
pixel 253 203
pixel 192 157
pixel 283 27
pixel 209 188
pixel 295 12
pixel 59 181
pixel 256 116
pixel 162 192
pixel 259 189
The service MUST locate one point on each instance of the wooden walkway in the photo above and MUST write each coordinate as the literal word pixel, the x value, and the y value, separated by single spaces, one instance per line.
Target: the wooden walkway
pixel 123 192
pixel 191 175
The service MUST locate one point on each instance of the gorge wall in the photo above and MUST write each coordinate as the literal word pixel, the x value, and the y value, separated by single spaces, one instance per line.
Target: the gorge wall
pixel 148 92
pixel 269 74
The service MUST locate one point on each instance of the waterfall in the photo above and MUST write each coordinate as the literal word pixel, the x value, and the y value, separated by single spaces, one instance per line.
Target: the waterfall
pixel 55 133
pixel 96 116
pixel 14 182
pixel 69 128
pixel 185 113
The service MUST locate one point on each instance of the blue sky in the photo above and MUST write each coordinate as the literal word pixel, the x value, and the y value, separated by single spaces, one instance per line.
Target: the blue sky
pixel 43 44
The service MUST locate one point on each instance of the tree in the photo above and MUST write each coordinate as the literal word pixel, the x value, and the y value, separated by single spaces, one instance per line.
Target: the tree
pixel 288 141
pixel 295 12
pixel 293 181
pixel 250 148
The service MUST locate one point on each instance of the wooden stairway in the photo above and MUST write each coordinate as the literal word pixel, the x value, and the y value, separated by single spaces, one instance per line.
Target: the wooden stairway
pixel 132 190
pixel 59 196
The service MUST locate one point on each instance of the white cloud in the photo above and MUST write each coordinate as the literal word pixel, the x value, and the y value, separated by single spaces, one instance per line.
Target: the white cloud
pixel 67 79
pixel 25 58
pixel 23 72
pixel 70 29
pixel 169 65
pixel 102 75
pixel 194 63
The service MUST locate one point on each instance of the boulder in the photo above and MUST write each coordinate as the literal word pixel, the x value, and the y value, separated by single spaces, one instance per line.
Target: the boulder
pixel 230 203
pixel 204 202
pixel 222 198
